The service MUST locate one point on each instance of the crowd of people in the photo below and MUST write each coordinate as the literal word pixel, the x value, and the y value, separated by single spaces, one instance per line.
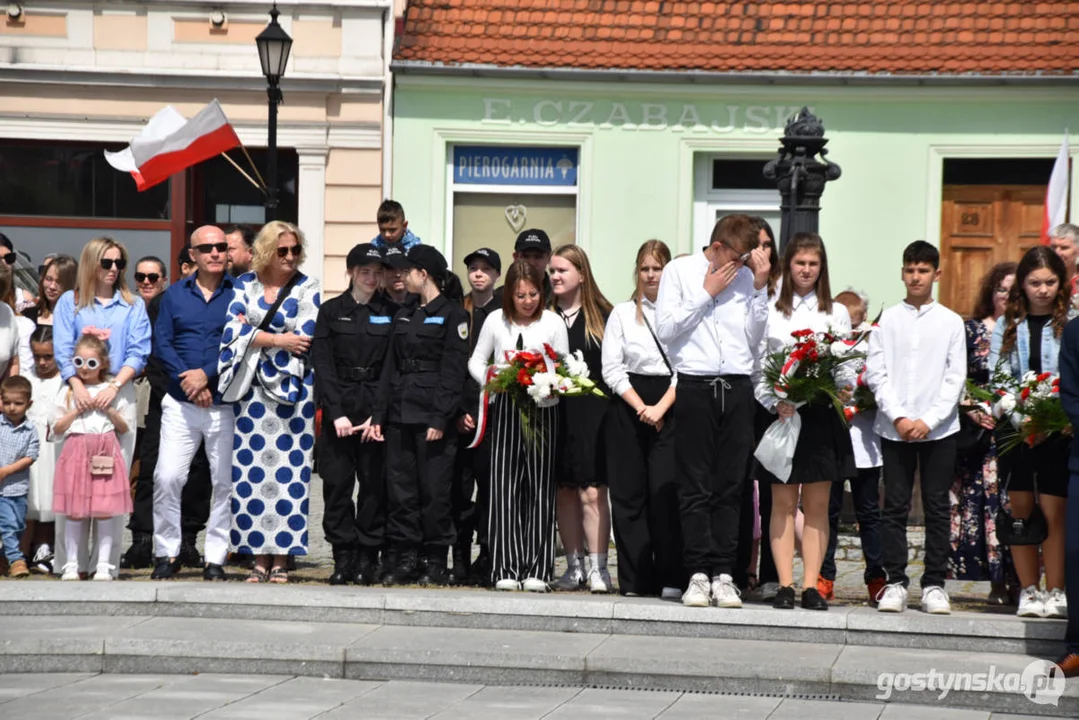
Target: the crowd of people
pixel 208 403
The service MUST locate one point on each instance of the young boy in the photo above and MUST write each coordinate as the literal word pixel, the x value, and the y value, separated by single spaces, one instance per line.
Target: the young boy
pixel 18 450
pixel 393 228
pixel 916 368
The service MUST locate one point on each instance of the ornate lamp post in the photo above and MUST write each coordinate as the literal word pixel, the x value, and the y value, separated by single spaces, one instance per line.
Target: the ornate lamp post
pixel 273 45
pixel 800 176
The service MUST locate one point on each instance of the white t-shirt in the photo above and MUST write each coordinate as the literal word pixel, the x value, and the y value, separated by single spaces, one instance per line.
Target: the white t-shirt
pixel 9 336
pixel 94 422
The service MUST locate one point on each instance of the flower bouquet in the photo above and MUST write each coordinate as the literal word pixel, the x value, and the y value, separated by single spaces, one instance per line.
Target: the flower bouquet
pixel 862 399
pixel 1031 405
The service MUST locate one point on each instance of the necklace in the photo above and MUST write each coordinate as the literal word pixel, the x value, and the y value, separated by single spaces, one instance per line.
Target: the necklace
pixel 569 317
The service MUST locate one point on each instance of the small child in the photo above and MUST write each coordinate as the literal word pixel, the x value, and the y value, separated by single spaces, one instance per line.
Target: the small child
pixel 393 228
pixel 917 369
pixel 91 477
pixel 47 383
pixel 18 450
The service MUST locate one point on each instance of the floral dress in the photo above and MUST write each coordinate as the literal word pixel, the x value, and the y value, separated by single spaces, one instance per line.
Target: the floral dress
pixel 274 435
pixel 975 553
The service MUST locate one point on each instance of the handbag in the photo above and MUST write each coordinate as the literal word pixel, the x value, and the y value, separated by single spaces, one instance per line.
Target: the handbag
pixel 101 465
pixel 246 367
pixel 1018 531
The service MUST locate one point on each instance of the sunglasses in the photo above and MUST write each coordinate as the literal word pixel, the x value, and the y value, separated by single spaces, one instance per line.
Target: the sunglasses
pixel 9 258
pixel 88 363
pixel 207 248
pixel 107 263
pixel 147 277
pixel 294 250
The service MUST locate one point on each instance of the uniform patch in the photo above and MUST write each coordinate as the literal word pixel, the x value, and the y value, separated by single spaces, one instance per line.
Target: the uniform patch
pixel 434 320
pixel 380 319
pixel 462 331
pixel 344 319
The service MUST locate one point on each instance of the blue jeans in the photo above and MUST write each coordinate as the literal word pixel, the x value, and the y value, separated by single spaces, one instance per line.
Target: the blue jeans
pixel 1071 564
pixel 12 523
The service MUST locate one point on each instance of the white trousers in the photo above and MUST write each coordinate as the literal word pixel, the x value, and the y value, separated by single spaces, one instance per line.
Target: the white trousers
pixel 183 426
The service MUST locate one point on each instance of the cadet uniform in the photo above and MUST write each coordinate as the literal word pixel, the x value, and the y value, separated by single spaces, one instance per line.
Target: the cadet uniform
pixel 349 344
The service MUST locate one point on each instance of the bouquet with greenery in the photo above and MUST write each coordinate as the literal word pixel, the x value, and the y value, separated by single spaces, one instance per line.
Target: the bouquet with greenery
pixel 1031 406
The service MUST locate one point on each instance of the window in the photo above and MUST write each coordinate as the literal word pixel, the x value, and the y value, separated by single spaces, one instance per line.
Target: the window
pixel 727 185
pixel 72 180
pixel 225 197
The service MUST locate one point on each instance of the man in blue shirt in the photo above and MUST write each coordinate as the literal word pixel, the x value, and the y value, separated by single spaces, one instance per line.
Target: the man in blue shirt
pixel 187 338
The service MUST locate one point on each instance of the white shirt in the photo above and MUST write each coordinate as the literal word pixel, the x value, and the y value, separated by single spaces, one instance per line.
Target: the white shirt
pixel 917 368
pixel 499 335
pixel 46 394
pixel 705 335
pixel 9 336
pixel 26 356
pixel 806 315
pixel 94 422
pixel 628 346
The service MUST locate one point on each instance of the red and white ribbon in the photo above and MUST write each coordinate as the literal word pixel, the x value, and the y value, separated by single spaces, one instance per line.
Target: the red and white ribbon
pixel 481 415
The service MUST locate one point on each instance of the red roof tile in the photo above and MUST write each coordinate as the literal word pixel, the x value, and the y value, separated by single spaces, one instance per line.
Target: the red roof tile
pixel 825 36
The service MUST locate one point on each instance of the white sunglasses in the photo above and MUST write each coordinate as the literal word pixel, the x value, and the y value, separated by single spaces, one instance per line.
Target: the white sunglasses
pixel 89 363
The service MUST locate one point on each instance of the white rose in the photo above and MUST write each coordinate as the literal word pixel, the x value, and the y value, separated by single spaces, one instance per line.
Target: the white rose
pixel 839 348
pixel 1004 406
pixel 539 391
pixel 1029 376
pixel 576 365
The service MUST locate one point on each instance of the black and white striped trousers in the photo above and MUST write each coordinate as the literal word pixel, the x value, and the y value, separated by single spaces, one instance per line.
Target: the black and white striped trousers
pixel 521 520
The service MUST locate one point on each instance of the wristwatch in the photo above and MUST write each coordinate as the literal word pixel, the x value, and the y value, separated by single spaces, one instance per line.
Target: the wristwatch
pixel 114 385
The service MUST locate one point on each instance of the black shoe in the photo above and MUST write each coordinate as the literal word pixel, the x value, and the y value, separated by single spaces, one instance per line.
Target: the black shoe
pixel 165 568
pixel 214 572
pixel 812 600
pixel 435 572
pixel 405 571
pixel 140 554
pixel 365 569
pixel 480 572
pixel 343 559
pixel 462 556
pixel 189 554
pixel 390 558
pixel 784 599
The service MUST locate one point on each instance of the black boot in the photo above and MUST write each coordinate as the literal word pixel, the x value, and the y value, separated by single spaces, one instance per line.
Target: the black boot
pixel 480 572
pixel 406 570
pixel 436 574
pixel 365 569
pixel 189 553
pixel 390 558
pixel 141 552
pixel 343 559
pixel 462 562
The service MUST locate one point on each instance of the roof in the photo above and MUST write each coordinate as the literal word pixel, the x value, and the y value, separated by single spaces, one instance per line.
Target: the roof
pixel 825 37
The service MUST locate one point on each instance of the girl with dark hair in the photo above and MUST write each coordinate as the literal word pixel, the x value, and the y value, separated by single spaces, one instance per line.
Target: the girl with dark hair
pixel 976 554
pixel 423 377
pixel 45 380
pixel 520 529
pixel 824 454
pixel 1027 339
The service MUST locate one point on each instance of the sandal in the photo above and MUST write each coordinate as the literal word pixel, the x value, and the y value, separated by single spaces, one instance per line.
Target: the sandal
pixel 279 576
pixel 258 575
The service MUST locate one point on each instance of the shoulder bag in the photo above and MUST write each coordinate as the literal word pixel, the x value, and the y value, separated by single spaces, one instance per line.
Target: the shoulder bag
pixel 247 367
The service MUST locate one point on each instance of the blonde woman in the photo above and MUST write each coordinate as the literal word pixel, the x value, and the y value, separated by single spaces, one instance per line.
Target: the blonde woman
pixel 102 305
pixel 265 369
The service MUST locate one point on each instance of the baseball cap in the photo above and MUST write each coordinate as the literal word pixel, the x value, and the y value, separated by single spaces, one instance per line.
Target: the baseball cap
pixel 488 255
pixel 363 254
pixel 426 258
pixel 532 240
pixel 393 257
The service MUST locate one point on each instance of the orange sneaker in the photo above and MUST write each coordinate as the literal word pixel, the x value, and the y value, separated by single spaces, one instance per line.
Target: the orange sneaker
pixel 874 587
pixel 826 588
pixel 19 569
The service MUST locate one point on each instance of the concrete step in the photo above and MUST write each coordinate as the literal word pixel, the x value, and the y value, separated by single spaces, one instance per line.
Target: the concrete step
pixel 367 651
pixel 976 632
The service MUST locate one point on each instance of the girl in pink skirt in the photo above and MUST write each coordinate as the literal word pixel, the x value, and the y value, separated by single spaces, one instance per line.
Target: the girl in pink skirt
pixel 91 480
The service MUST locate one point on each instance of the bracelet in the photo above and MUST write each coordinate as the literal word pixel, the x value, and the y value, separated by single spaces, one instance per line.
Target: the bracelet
pixel 115 385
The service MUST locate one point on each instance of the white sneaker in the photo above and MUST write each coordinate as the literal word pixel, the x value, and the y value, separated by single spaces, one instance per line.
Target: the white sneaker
pixel 1056 604
pixel 699 592
pixel 599 581
pixel 893 598
pixel 670 593
pixel 42 562
pixel 935 601
pixel 71 572
pixel 768 591
pixel 1031 603
pixel 572 579
pixel 104 572
pixel 535 585
pixel 725 593
pixel 507 584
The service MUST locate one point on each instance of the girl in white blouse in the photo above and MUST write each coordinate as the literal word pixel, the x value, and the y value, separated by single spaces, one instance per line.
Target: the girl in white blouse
pixel 639 439
pixel 823 454
pixel 522 497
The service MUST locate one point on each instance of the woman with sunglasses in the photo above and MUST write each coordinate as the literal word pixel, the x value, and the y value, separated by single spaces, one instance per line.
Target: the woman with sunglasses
pixel 23 299
pixel 102 305
pixel 151 279
pixel 264 368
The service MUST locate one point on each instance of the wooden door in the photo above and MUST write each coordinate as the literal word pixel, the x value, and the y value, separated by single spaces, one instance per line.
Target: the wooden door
pixel 982 225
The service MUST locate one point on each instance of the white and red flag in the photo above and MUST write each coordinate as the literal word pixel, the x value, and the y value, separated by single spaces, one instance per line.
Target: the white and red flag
pixel 170 143
pixel 1056 195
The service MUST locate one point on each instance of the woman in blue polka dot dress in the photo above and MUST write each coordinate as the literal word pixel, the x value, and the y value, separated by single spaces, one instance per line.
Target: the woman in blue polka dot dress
pixel 265 369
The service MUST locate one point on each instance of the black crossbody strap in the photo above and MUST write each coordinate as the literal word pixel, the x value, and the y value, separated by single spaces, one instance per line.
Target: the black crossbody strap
pixel 652 332
pixel 281 295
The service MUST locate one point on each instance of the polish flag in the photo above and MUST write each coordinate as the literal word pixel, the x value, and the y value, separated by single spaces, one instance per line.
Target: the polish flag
pixel 169 143
pixel 1056 195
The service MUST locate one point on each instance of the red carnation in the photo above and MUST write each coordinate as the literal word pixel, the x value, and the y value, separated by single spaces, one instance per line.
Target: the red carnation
pixel 848 413
pixel 1044 376
pixel 550 351
pixel 524 378
pixel 1025 394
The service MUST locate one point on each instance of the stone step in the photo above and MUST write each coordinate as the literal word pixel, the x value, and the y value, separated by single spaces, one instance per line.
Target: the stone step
pixel 369 651
pixel 976 632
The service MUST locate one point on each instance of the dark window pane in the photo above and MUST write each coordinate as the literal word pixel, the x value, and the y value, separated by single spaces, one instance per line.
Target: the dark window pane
pixel 994 171
pixel 72 180
pixel 227 197
pixel 740 175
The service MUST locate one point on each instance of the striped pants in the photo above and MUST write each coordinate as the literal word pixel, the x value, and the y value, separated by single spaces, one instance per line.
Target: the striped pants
pixel 521 520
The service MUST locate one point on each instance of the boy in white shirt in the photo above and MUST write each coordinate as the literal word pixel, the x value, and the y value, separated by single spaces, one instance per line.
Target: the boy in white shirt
pixel 916 368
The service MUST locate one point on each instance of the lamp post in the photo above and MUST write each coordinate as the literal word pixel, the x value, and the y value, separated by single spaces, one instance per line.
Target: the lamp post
pixel 273 45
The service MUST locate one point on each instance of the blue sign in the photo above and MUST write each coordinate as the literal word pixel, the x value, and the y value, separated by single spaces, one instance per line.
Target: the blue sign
pixel 494 165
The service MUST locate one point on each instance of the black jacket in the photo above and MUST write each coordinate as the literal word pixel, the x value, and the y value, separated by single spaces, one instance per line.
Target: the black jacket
pixel 471 398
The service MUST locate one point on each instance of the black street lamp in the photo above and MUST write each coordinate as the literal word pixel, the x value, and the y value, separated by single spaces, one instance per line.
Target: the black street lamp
pixel 274 45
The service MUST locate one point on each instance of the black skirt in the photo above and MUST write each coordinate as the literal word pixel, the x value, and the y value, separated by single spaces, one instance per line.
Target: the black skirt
pixel 824 452
pixel 580 453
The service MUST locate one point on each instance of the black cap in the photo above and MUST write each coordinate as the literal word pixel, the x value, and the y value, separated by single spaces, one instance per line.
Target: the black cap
pixel 363 254
pixel 532 240
pixel 393 257
pixel 427 258
pixel 488 255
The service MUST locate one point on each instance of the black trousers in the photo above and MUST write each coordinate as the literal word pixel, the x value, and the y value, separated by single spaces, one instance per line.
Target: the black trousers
pixel 935 459
pixel 521 523
pixel 713 444
pixel 472 475
pixel 643 483
pixel 343 464
pixel 195 499
pixel 767 572
pixel 1071 563
pixel 418 479
pixel 865 492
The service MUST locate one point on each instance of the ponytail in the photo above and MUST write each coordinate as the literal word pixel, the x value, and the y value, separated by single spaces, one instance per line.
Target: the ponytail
pixel 450 286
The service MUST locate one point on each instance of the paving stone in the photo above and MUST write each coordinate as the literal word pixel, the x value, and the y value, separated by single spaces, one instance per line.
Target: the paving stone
pixel 793 709
pixel 556 612
pixel 403 700
pixel 982 632
pixel 692 706
pixel 16 685
pixel 179 697
pixel 520 703
pixel 593 703
pixel 302 697
pixel 83 697
pixel 906 711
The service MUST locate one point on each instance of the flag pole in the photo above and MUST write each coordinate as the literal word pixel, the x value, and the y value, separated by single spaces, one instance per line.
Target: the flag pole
pixel 240 170
pixel 253 165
